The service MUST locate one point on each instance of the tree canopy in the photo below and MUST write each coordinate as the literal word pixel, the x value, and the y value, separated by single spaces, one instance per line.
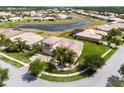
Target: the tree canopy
pixel 63 55
pixel 3 75
pixel 37 67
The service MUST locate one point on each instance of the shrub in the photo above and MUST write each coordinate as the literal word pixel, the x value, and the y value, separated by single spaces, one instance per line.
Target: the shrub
pixel 37 67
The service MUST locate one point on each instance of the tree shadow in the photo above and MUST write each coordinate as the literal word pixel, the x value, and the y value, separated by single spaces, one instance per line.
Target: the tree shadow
pixel 114 81
pixel 28 77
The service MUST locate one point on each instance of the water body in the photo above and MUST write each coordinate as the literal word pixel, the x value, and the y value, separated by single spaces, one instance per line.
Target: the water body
pixel 55 27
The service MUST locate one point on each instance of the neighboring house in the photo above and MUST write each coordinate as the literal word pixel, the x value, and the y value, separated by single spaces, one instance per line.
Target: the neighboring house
pixel 91 35
pixel 108 27
pixel 10 32
pixel 49 44
pixel 29 37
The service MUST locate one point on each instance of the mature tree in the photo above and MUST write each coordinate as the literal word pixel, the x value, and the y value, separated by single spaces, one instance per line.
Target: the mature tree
pixel 16 46
pixel 2 38
pixel 93 62
pixel 63 55
pixel 10 46
pixel 20 44
pixel 37 48
pixel 114 81
pixel 115 32
pixel 3 75
pixel 70 56
pixel 37 67
pixel 115 40
pixel 121 70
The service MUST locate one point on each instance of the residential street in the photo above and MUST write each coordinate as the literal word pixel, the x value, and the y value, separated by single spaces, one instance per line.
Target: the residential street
pixel 19 78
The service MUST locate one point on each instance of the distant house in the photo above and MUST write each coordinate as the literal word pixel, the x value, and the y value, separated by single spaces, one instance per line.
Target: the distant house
pixel 106 27
pixel 29 37
pixel 91 35
pixel 49 18
pixel 15 19
pixel 52 42
pixel 62 16
pixel 33 19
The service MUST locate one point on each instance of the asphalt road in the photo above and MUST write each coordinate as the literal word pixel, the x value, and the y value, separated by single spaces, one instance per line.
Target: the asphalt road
pixel 19 77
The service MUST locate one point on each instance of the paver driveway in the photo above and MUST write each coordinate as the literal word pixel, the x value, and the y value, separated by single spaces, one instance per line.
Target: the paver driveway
pixel 19 78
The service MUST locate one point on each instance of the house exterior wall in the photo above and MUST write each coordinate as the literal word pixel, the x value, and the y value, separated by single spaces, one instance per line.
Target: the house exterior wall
pixel 89 39
pixel 49 50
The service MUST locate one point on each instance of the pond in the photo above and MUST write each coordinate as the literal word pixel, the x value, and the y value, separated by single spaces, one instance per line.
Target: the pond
pixel 55 27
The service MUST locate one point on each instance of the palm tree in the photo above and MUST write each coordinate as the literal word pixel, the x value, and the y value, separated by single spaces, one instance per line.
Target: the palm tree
pixel 121 70
pixel 63 55
pixel 71 56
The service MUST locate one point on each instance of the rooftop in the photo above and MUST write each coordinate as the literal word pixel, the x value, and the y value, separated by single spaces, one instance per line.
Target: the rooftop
pixel 76 46
pixel 10 32
pixel 51 40
pixel 29 37
pixel 90 33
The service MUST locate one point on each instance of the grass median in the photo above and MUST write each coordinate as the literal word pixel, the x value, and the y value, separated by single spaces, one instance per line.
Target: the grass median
pixel 10 61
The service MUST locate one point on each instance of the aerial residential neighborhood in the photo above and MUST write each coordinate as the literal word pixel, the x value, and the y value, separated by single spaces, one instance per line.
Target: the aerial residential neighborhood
pixel 61 46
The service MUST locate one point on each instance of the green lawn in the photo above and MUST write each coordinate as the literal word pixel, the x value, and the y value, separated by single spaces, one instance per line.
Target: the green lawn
pixel 10 61
pixel 109 54
pixel 91 48
pixel 22 56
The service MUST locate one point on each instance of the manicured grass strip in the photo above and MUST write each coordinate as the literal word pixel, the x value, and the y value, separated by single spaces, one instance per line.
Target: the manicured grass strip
pixel 61 79
pixel 19 56
pixel 10 61
pixel 67 79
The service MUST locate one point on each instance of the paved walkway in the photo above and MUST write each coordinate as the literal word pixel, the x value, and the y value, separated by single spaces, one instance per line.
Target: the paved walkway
pixel 106 53
pixel 63 75
pixel 19 77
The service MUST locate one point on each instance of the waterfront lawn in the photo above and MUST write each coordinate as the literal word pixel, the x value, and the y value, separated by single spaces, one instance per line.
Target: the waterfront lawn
pixel 10 61
pixel 22 56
